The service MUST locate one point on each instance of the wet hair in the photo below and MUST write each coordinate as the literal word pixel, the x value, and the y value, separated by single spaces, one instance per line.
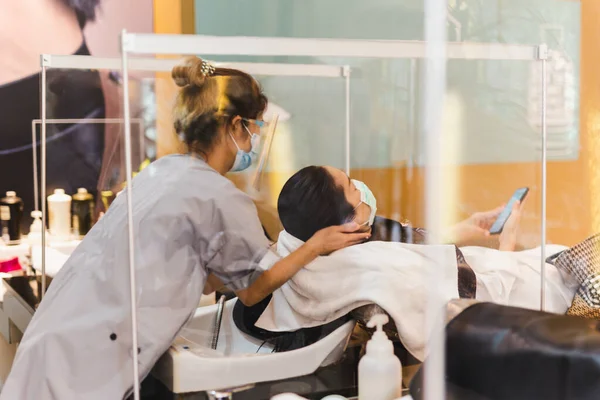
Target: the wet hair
pixel 208 101
pixel 310 201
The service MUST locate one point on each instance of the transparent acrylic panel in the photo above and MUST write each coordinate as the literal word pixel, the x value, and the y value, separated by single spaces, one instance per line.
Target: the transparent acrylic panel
pixel 85 255
pixel 300 137
pixel 555 23
pixel 305 135
pixel 491 127
pixel 384 134
pixel 219 234
pixel 509 93
pixel 492 140
pixel 85 130
pixel 489 110
pixel 85 150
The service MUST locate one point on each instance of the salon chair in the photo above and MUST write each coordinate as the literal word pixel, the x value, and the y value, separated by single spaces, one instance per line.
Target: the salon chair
pixel 384 229
pixel 496 352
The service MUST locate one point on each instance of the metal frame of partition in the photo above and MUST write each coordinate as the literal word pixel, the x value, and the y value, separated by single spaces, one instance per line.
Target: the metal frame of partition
pixel 434 51
pixel 78 62
pixel 152 65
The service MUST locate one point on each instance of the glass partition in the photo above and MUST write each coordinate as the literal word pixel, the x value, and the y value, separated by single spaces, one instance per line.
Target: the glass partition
pixel 501 107
pixel 492 145
pixel 492 115
pixel 93 138
pixel 441 140
pixel 486 126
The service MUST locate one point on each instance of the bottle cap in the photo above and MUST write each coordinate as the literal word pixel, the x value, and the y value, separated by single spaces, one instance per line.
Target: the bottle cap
pixel 82 191
pixel 36 225
pixel 378 321
pixel 379 343
pixel 59 191
pixel 11 194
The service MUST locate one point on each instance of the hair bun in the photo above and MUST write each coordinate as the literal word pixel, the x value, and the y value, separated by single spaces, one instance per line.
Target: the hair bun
pixel 190 72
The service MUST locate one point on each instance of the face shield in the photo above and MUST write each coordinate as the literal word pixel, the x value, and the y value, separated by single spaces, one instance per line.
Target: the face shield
pixel 250 179
pixel 267 134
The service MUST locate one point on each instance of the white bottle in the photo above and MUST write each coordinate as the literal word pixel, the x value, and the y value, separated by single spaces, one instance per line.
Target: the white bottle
pixel 59 213
pixel 379 371
pixel 35 230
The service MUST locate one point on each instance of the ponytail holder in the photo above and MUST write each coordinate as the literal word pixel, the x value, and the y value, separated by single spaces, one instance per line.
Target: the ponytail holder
pixel 207 69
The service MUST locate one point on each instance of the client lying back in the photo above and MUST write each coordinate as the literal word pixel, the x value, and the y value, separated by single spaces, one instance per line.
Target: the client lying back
pixel 394 276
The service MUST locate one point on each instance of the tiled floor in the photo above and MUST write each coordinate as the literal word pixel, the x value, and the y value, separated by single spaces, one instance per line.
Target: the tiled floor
pixel 7 353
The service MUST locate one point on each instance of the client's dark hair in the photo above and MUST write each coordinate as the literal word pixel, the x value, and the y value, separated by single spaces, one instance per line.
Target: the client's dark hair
pixel 310 201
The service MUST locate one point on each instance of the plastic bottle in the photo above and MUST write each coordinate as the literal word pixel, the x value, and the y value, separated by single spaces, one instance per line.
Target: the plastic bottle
pixel 59 213
pixel 379 371
pixel 83 212
pixel 287 396
pixel 11 212
pixel 35 230
pixel 107 198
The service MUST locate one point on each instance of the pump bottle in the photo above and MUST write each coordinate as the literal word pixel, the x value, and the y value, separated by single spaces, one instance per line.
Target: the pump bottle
pixel 35 230
pixel 379 370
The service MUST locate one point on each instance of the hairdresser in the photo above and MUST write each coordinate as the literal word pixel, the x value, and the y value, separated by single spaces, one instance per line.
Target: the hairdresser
pixel 189 221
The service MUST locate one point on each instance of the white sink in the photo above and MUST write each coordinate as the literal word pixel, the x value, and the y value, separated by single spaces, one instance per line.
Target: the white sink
pixel 191 365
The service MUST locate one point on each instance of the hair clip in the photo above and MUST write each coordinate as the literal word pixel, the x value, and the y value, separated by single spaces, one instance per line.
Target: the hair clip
pixel 207 69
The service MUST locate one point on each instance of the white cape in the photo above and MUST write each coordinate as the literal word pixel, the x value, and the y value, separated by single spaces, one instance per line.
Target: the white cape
pixel 332 286
pixel 397 277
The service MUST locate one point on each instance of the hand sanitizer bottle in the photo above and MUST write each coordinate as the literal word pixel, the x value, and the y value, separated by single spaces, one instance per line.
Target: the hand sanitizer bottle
pixel 379 371
pixel 35 230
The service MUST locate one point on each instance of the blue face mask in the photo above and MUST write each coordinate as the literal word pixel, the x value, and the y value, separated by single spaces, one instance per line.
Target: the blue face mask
pixel 243 159
pixel 366 197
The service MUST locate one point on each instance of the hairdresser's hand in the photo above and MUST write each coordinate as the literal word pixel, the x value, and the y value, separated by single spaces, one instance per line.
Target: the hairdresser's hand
pixel 475 227
pixel 334 238
pixel 510 231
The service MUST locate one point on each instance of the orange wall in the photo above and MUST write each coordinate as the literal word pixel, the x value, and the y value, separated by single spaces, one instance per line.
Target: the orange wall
pixel 486 186
pixel 590 107
pixel 171 17
pixel 571 213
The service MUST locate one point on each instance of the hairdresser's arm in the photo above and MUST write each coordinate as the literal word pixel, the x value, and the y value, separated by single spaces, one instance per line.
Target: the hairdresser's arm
pixel 323 242
pixel 212 284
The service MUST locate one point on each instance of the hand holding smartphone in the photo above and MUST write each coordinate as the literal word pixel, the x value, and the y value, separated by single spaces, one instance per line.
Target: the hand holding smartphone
pixel 519 195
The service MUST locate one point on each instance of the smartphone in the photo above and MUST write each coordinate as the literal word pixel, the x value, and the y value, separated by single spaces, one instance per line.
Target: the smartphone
pixel 518 195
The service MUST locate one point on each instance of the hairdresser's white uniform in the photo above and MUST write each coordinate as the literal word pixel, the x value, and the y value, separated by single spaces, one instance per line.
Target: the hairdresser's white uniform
pixel 189 221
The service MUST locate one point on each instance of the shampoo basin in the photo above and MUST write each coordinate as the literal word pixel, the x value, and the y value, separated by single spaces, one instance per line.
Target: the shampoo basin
pixel 191 365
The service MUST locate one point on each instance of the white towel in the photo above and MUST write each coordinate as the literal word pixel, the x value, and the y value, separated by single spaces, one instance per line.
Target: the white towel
pixel 331 286
pixel 397 278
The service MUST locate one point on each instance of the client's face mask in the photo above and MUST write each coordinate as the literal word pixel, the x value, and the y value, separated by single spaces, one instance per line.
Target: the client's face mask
pixel 366 197
pixel 244 159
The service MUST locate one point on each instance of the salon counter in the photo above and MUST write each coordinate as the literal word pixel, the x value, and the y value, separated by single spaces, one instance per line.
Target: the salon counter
pixel 21 297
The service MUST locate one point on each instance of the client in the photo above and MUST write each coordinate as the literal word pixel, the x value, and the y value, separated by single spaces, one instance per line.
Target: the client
pixel 318 197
